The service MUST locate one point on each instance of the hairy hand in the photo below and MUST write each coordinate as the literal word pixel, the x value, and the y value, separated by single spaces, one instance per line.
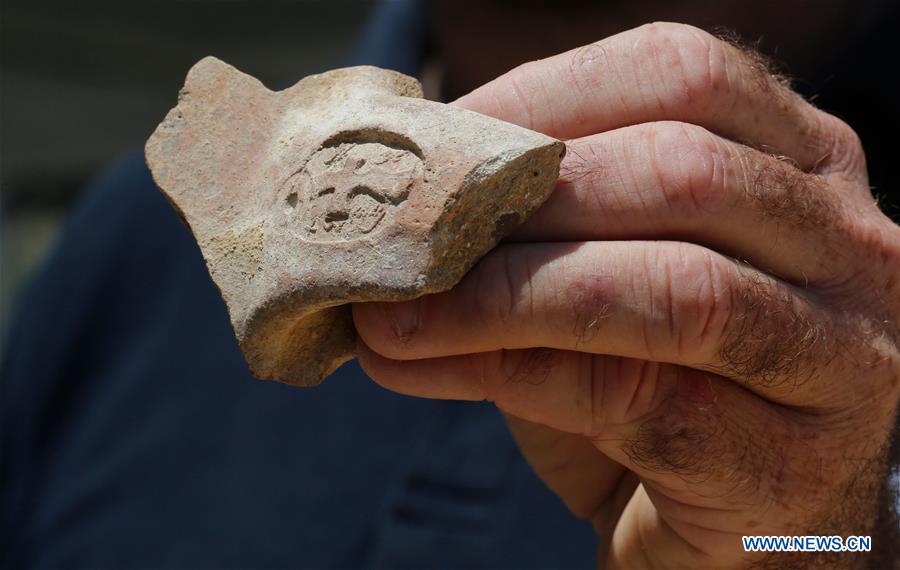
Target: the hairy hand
pixel 696 338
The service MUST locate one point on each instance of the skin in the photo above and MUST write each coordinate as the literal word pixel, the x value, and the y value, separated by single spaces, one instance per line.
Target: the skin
pixel 698 336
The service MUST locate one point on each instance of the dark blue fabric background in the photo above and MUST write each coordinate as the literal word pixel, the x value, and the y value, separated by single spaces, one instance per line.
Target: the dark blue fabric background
pixel 132 435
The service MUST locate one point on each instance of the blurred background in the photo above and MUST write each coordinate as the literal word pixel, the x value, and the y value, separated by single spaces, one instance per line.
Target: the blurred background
pixel 84 82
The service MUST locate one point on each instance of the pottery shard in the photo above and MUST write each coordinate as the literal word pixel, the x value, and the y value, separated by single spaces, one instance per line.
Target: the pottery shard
pixel 346 187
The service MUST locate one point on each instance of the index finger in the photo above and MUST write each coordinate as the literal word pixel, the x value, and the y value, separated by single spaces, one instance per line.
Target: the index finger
pixel 666 71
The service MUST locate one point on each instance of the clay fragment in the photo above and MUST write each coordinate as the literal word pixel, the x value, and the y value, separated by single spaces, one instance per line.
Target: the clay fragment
pixel 346 187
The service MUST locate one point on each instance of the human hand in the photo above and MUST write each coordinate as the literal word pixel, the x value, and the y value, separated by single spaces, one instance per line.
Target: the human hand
pixel 698 336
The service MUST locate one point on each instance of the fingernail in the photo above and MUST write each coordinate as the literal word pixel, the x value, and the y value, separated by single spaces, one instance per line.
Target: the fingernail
pixel 406 318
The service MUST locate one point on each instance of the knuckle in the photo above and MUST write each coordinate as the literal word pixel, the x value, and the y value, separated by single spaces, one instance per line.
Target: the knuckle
pixel 588 296
pixel 504 374
pixel 583 163
pixel 698 298
pixel 892 241
pixel 873 241
pixel 692 437
pixel 499 290
pixel 843 147
pixel 586 64
pixel 689 164
pixel 880 239
pixel 671 445
pixel 781 191
pixel 680 436
pixel 694 62
pixel 775 338
pixel 532 366
pixel 518 79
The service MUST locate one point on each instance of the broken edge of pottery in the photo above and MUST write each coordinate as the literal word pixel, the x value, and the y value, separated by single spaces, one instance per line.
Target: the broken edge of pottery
pixel 347 187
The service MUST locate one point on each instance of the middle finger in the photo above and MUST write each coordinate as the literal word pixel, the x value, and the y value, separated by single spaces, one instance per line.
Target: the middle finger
pixel 678 181
pixel 659 301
